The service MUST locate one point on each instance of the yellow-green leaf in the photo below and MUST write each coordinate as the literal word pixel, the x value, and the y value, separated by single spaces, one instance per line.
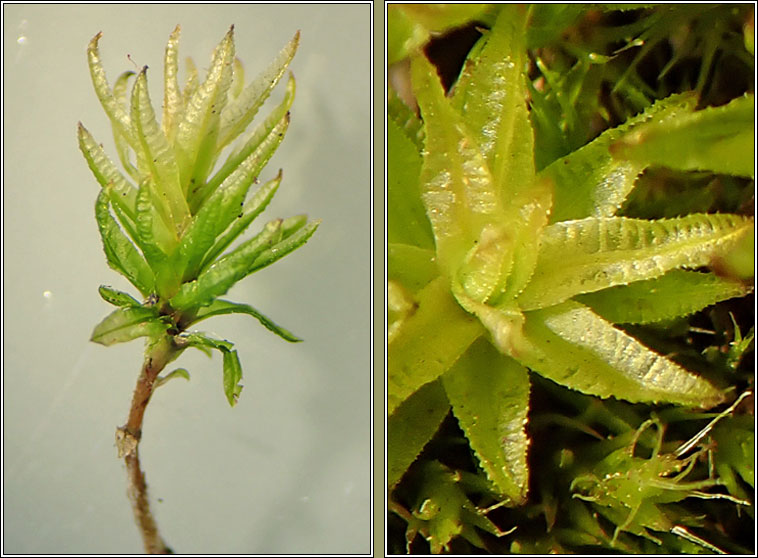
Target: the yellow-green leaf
pixel 574 347
pixel 430 341
pixel 590 254
pixel 490 398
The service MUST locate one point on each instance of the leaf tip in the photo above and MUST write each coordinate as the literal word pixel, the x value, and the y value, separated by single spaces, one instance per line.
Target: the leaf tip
pixel 93 42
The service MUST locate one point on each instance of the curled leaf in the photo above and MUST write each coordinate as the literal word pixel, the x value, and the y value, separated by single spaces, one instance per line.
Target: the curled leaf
pixel 178 373
pixel 219 277
pixel 232 377
pixel 198 131
pixel 115 111
pixel 220 307
pixel 125 324
pixel 118 298
pixel 155 158
pixel 124 195
pixel 243 109
pixel 121 254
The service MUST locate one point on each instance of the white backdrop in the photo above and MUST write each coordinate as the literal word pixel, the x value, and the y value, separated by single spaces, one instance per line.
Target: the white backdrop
pixel 288 469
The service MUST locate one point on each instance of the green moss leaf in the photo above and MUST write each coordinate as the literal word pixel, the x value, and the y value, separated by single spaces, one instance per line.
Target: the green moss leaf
pixel 295 233
pixel 574 347
pixel 121 254
pixel 116 113
pixel 411 426
pixel 173 103
pixel 442 510
pixel 406 217
pixel 232 377
pixel 719 139
pixel 595 253
pixel 735 451
pixel 219 277
pixel 244 108
pixel 178 373
pixel 589 182
pixel 125 324
pixel 118 298
pixel 123 148
pixel 413 267
pixel 197 134
pixel 123 194
pixel 491 97
pixel 490 398
pixel 220 307
pixel 245 163
pixel 250 210
pixel 466 212
pixel 156 160
pixel 427 346
pixel 678 293
pixel 232 367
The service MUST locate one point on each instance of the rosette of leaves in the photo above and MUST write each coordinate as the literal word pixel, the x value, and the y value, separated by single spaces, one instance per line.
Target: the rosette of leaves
pixel 497 270
pixel 169 220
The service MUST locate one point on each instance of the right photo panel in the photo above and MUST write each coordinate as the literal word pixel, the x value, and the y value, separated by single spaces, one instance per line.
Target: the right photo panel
pixel 570 278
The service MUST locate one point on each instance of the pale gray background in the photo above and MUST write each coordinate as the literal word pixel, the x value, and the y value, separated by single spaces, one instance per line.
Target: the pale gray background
pixel 288 469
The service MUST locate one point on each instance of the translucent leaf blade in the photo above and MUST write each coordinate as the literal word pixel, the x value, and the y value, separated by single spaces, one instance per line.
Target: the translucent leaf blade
pixel 118 298
pixel 173 104
pixel 589 182
pixel 154 251
pixel 250 210
pixel 587 255
pixel 198 132
pixel 237 116
pixel 106 173
pixel 156 158
pixel 232 377
pixel 220 307
pixel 291 242
pixel 122 142
pixel 125 324
pixel 115 111
pixel 120 253
pixel 427 345
pixel 406 217
pixel 411 426
pixel 490 398
pixel 219 277
pixel 678 293
pixel 491 96
pixel 720 139
pixel 461 202
pixel 246 162
pixel 574 347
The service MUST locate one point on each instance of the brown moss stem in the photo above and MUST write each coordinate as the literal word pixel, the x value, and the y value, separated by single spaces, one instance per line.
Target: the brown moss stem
pixel 128 438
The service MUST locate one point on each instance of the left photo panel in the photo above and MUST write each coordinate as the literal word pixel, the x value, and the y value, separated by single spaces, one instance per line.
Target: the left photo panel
pixel 187 195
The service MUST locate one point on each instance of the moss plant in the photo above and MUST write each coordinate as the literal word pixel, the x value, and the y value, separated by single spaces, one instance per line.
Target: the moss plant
pixel 177 213
pixel 544 296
